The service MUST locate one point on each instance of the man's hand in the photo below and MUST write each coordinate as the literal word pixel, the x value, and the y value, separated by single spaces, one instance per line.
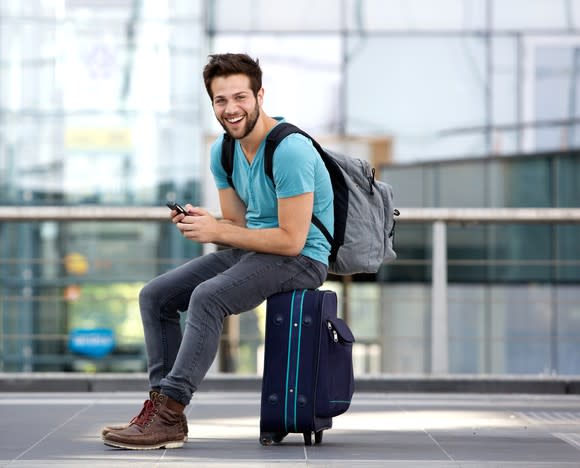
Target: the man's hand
pixel 199 225
pixel 294 214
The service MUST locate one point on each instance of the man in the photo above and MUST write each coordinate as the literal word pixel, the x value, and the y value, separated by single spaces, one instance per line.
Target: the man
pixel 273 248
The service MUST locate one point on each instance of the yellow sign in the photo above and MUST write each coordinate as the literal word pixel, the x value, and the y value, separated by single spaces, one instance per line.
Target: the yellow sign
pixel 76 263
pixel 91 139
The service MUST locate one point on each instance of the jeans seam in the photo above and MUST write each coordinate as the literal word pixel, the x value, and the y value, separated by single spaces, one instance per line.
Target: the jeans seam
pixel 198 352
pixel 163 322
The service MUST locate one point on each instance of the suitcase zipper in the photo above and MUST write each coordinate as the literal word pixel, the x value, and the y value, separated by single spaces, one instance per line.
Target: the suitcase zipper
pixel 332 332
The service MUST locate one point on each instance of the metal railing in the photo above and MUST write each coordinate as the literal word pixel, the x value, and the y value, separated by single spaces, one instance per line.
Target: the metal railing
pixel 408 215
pixel 439 218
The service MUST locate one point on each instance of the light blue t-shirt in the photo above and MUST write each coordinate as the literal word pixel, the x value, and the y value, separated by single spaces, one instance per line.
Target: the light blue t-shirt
pixel 297 169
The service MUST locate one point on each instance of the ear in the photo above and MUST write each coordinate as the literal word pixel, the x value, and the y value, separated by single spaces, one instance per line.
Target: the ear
pixel 260 96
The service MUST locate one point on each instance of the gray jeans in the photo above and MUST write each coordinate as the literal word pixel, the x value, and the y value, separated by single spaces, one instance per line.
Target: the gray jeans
pixel 210 288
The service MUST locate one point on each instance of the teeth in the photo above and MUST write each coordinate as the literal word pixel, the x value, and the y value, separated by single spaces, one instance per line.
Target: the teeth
pixel 235 119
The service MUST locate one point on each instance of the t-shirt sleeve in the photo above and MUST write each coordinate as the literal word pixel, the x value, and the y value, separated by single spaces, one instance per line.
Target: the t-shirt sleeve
pixel 294 166
pixel 219 173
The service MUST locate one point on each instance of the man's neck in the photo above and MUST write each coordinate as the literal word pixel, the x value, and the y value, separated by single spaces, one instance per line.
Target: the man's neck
pixel 251 143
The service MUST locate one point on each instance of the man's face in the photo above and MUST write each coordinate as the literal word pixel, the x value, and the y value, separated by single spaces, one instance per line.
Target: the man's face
pixel 234 104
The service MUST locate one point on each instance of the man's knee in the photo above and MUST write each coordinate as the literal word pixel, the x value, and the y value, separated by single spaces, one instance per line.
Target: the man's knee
pixel 206 300
pixel 149 295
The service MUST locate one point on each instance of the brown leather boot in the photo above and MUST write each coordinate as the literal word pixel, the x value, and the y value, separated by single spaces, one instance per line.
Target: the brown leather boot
pixel 146 403
pixel 159 426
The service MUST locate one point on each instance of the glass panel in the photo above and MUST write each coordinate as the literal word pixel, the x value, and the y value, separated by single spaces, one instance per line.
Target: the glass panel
pixel 466 178
pixel 98 101
pixel 405 328
pixel 113 307
pixel 413 264
pixel 467 332
pixel 410 184
pixel 521 329
pixel 445 15
pixel 567 253
pixel 507 142
pixel 251 337
pixel 528 182
pixel 393 96
pixel 556 85
pixel 526 14
pixel 504 84
pixel 568 333
pixel 521 252
pixel 497 188
pixel 57 277
pixel 363 317
pixel 467 253
pixel 249 16
pixel 567 180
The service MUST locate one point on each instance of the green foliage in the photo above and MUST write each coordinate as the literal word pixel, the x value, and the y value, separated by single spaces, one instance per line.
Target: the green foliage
pixel 113 306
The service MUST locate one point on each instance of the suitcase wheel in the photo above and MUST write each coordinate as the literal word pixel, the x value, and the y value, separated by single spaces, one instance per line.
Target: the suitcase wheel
pixel 267 438
pixel 318 437
pixel 279 437
pixel 308 437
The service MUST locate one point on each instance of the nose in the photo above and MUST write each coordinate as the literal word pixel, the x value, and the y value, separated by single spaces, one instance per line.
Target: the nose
pixel 230 107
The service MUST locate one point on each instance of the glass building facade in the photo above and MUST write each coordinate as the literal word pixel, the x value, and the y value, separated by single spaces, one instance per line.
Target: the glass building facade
pixel 501 253
pixel 99 105
pixel 514 296
pixel 102 103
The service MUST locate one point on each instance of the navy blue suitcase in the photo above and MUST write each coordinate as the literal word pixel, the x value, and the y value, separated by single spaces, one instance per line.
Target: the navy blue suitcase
pixel 308 375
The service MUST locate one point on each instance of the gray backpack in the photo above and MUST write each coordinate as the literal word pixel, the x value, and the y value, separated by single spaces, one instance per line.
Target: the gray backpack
pixel 364 216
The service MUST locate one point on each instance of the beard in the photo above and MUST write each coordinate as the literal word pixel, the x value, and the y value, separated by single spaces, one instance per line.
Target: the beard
pixel 251 120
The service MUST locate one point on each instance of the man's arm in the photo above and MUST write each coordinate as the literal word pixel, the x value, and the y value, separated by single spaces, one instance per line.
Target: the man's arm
pixel 232 207
pixel 294 217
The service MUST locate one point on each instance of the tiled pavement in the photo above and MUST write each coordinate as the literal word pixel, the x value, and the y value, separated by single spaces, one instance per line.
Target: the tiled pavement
pixel 380 430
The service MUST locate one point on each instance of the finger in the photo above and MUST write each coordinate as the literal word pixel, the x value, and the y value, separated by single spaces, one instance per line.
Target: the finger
pixel 177 217
pixel 185 226
pixel 198 211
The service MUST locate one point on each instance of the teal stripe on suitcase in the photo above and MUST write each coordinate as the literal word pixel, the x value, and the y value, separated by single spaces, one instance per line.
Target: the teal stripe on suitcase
pixel 288 362
pixel 298 358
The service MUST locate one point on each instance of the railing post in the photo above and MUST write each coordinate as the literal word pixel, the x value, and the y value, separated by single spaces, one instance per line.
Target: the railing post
pixel 439 323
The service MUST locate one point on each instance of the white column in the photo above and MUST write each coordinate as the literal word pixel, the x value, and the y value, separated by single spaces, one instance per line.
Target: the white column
pixel 439 324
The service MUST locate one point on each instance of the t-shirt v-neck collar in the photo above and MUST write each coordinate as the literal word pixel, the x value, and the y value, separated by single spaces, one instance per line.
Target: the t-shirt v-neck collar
pixel 260 150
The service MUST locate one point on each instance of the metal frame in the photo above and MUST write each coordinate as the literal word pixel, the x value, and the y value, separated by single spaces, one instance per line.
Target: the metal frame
pixel 438 217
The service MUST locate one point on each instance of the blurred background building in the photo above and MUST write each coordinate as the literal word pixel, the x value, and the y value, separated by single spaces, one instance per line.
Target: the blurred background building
pixel 459 103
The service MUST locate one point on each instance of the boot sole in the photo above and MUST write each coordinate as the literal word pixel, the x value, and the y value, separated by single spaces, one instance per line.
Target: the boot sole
pixel 166 445
pixel 104 439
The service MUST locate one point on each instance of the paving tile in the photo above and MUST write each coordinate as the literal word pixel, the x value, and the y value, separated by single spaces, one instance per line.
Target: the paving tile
pixel 380 430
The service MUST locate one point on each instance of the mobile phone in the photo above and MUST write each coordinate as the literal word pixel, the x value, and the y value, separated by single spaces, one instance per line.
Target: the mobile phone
pixel 177 207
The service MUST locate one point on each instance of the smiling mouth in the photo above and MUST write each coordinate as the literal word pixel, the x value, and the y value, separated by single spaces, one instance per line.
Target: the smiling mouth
pixel 234 120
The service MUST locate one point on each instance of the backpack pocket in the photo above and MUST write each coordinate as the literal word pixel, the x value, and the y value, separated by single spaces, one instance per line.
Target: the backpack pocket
pixel 335 373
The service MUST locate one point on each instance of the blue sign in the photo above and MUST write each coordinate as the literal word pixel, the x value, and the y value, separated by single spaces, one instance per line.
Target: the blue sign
pixel 94 342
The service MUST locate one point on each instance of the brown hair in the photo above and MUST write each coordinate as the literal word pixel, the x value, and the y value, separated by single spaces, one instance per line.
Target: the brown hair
pixel 224 65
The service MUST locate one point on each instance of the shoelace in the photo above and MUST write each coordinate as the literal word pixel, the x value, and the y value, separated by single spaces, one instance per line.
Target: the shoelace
pixel 145 415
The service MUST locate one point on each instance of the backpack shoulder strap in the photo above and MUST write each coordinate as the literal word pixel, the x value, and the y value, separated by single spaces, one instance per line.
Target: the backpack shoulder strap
pixel 227 158
pixel 276 135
